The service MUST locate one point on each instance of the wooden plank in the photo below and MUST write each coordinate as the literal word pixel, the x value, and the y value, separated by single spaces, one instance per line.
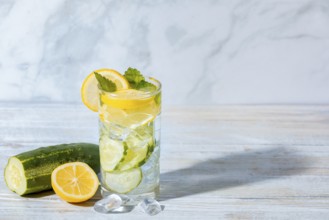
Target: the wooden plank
pixel 217 162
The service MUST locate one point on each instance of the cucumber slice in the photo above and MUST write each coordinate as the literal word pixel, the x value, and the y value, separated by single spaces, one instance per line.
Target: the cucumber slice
pixel 135 157
pixel 111 153
pixel 15 177
pixel 138 143
pixel 125 181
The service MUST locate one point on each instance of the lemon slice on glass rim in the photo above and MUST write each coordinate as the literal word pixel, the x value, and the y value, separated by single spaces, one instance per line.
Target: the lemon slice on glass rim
pixel 89 89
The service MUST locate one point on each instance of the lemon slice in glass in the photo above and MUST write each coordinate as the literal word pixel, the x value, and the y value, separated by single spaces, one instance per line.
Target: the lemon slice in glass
pixel 135 120
pixel 128 99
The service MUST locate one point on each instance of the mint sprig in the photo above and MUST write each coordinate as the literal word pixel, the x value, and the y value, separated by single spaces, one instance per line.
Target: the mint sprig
pixel 134 76
pixel 105 84
pixel 137 80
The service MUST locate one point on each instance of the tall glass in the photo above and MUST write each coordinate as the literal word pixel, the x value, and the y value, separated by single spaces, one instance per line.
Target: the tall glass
pixel 129 142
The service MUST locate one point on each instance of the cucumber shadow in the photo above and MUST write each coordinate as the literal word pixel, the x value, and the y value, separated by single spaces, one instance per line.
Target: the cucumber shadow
pixel 89 203
pixel 51 193
pixel 40 194
pixel 232 171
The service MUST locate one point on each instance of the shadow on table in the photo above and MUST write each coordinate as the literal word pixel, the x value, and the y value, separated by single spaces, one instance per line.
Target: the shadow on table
pixel 40 194
pixel 231 171
pixel 88 203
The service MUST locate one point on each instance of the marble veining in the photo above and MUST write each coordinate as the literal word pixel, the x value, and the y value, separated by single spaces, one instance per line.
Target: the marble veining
pixel 204 52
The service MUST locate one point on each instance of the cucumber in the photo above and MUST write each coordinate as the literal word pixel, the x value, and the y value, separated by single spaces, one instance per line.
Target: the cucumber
pixel 125 181
pixel 30 172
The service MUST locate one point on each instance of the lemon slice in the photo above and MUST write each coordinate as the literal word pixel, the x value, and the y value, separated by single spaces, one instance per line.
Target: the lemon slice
pixel 128 99
pixel 89 89
pixel 109 114
pixel 74 182
pixel 137 119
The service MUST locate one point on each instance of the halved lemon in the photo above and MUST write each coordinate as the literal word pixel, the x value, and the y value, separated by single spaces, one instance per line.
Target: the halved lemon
pixel 89 89
pixel 74 182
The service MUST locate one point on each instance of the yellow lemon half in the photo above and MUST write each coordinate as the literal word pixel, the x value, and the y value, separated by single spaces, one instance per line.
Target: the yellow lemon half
pixel 74 182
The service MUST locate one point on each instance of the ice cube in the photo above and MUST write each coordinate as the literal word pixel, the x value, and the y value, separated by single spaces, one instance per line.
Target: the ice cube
pixel 127 200
pixel 114 131
pixel 139 138
pixel 107 204
pixel 150 206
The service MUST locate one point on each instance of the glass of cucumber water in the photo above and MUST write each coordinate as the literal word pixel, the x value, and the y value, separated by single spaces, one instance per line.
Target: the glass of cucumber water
pixel 129 142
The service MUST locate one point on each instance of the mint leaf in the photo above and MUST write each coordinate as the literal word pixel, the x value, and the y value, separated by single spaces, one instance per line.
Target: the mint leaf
pixel 105 84
pixel 145 86
pixel 133 76
pixel 137 80
pixel 157 99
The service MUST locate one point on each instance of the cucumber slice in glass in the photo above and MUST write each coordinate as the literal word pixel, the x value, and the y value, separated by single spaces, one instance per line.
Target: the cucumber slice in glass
pixel 138 143
pixel 124 181
pixel 135 157
pixel 111 153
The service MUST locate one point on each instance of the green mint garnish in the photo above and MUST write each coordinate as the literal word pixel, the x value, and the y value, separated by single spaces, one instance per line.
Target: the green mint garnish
pixel 137 80
pixel 105 84
pixel 158 99
pixel 133 76
pixel 145 86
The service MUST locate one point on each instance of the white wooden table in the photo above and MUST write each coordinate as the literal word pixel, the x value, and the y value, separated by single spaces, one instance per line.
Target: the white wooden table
pixel 220 162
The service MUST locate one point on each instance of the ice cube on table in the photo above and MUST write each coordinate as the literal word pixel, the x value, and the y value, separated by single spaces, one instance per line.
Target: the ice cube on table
pixel 126 200
pixel 150 206
pixel 107 204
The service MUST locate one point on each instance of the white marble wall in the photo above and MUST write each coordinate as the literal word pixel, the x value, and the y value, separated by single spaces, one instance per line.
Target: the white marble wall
pixel 204 52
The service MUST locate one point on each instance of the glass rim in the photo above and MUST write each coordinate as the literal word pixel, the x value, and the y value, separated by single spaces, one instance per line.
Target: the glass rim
pixel 146 93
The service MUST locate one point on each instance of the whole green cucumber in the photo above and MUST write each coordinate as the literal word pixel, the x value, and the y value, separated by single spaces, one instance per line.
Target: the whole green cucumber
pixel 30 172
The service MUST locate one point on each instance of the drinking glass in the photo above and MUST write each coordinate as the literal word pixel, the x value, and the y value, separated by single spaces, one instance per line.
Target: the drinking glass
pixel 129 140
